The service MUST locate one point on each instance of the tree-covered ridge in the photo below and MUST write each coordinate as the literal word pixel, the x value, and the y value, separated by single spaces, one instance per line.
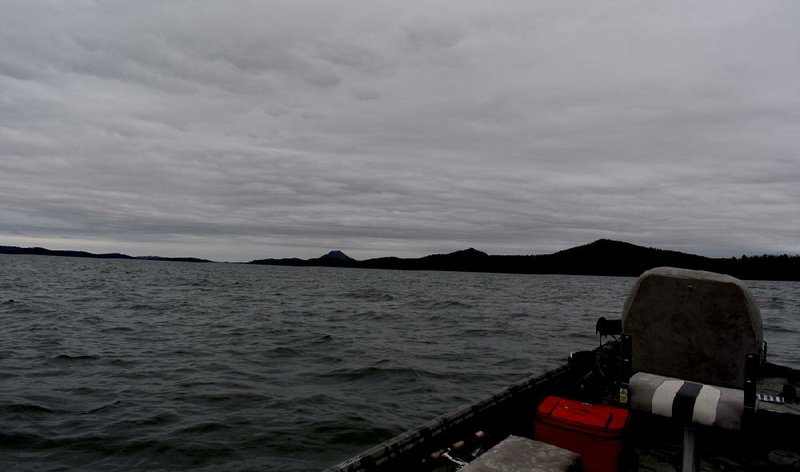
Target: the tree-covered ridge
pixel 602 257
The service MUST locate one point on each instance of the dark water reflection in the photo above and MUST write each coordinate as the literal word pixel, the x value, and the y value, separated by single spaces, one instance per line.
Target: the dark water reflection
pixel 116 365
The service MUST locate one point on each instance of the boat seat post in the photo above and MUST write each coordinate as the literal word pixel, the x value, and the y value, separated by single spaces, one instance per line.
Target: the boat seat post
pixel 688 404
pixel 750 379
pixel 625 371
pixel 689 461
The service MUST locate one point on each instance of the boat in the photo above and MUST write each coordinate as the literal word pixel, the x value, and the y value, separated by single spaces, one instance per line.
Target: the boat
pixel 681 382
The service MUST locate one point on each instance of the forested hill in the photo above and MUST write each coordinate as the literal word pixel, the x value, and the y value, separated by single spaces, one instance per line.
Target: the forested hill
pixel 40 251
pixel 602 257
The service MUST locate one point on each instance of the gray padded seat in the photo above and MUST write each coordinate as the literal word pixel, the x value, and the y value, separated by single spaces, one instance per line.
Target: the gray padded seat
pixel 692 325
pixel 690 335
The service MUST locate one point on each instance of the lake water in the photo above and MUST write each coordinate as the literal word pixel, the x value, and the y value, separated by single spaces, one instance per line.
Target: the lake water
pixel 119 365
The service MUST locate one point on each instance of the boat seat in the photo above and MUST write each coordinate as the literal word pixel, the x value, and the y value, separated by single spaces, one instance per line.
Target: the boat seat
pixel 692 325
pixel 691 345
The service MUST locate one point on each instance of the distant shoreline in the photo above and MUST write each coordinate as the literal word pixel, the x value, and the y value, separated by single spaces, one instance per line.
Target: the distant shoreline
pixel 40 251
pixel 602 257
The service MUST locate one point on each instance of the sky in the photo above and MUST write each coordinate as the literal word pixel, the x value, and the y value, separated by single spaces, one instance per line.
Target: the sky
pixel 239 130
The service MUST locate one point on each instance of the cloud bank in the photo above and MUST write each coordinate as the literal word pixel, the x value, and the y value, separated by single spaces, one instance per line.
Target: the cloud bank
pixel 249 129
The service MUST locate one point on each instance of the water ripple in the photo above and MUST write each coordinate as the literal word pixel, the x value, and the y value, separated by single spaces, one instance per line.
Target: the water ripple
pixel 121 365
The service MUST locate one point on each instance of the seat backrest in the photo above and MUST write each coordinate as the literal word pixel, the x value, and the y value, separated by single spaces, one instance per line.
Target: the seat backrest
pixel 692 325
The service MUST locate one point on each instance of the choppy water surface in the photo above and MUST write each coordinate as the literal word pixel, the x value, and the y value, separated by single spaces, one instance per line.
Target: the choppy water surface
pixel 116 365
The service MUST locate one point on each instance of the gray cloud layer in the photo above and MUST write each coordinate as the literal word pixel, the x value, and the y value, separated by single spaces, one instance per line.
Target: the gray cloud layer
pixel 237 130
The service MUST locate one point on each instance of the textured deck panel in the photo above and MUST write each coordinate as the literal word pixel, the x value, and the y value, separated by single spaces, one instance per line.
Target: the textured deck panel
pixel 518 454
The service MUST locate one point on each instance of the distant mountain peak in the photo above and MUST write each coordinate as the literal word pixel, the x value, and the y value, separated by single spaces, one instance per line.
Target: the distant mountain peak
pixel 601 244
pixel 471 252
pixel 611 243
pixel 337 255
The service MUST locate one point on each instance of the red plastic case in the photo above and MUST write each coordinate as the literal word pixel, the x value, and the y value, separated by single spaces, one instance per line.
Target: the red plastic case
pixel 596 432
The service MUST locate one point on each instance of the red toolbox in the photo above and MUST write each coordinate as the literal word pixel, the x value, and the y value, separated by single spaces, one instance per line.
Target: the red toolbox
pixel 596 432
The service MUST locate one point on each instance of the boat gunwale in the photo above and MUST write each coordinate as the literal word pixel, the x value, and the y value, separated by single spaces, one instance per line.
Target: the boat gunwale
pixel 437 429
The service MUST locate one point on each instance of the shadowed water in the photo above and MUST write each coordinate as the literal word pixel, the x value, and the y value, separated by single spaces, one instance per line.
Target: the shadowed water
pixel 118 365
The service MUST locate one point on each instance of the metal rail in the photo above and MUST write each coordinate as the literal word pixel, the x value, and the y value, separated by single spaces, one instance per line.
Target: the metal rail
pixel 411 448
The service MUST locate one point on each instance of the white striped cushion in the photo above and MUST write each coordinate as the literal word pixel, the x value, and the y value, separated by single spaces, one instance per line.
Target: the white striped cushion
pixel 687 401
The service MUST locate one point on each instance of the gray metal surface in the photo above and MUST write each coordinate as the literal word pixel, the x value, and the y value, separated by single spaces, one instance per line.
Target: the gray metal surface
pixel 517 454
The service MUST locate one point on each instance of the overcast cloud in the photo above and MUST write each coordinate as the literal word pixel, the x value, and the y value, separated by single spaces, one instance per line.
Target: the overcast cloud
pixel 237 130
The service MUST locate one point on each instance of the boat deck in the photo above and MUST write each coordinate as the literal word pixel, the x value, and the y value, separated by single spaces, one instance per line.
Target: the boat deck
pixel 677 324
pixel 654 444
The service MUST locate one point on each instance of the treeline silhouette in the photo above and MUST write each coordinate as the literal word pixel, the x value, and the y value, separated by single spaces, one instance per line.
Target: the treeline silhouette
pixel 40 251
pixel 602 257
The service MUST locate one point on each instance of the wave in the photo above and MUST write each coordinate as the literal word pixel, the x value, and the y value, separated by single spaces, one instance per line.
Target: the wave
pixel 203 427
pixel 25 408
pixel 15 440
pixel 347 432
pixel 440 304
pixel 73 358
pixel 372 295
pixel 101 408
pixel 118 329
pixel 774 328
pixel 376 372
pixel 284 351
pixel 225 396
